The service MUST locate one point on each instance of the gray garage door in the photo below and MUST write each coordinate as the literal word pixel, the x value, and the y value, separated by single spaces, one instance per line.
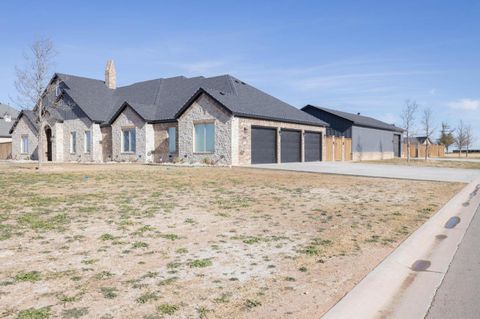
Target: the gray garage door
pixel 396 145
pixel 264 145
pixel 291 146
pixel 313 146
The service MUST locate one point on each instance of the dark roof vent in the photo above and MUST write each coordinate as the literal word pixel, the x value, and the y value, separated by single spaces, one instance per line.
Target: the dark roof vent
pixel 221 93
pixel 236 81
pixel 358 113
pixel 243 83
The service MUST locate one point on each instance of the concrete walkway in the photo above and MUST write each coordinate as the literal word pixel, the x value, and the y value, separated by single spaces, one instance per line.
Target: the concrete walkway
pixel 405 283
pixel 458 296
pixel 456 159
pixel 380 170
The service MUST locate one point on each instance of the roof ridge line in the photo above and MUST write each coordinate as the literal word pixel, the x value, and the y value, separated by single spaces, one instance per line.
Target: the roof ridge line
pixel 234 89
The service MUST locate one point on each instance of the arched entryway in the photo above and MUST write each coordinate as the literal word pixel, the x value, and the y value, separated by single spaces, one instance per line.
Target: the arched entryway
pixel 48 143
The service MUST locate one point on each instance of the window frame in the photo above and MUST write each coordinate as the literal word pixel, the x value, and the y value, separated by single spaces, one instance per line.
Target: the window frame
pixel 23 149
pixel 204 150
pixel 170 151
pixel 129 130
pixel 87 145
pixel 73 142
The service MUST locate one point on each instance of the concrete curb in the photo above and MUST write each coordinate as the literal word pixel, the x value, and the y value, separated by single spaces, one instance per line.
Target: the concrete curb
pixel 404 284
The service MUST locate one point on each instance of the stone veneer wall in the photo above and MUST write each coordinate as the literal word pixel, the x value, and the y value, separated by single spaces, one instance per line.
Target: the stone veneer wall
pixel 127 119
pixel 161 153
pixel 106 143
pixel 97 152
pixel 58 144
pixel 24 127
pixel 78 125
pixel 245 137
pixel 205 110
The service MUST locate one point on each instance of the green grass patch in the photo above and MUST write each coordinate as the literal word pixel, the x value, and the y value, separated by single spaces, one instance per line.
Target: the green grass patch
pixel 32 313
pixel 200 263
pixel 167 309
pixel 109 292
pixel 31 276
pixel 106 237
pixel 139 244
pixel 252 303
pixel 146 297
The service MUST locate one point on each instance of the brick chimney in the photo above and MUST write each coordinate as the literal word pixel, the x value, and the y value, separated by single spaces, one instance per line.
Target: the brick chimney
pixel 110 75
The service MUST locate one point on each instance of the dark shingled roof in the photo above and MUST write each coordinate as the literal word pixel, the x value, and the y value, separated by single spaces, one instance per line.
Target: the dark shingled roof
pixel 164 99
pixel 6 110
pixel 30 115
pixel 359 120
pixel 5 128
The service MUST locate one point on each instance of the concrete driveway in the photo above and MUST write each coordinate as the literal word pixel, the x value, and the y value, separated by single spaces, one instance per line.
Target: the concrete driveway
pixel 380 170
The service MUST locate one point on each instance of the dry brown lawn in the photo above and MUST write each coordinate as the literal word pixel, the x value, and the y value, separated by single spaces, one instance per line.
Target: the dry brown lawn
pixel 429 163
pixel 133 241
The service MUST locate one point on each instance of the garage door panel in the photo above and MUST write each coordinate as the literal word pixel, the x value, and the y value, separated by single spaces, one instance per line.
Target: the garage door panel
pixel 313 146
pixel 264 145
pixel 291 146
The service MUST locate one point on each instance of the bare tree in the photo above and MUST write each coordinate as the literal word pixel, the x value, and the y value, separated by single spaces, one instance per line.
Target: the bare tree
pixel 460 137
pixel 469 139
pixel 32 83
pixel 446 136
pixel 427 127
pixel 408 120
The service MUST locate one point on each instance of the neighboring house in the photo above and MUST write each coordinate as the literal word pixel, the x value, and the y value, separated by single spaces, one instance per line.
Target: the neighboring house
pixel 371 139
pixel 218 120
pixel 7 117
pixel 418 140
pixel 418 147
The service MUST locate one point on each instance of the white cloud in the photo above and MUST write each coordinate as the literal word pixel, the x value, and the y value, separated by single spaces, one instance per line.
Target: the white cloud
pixel 465 104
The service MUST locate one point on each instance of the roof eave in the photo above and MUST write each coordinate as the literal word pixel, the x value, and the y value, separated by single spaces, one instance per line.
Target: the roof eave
pixel 194 97
pixel 393 129
pixel 121 109
pixel 276 119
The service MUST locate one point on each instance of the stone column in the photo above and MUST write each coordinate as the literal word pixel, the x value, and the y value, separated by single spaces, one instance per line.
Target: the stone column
pixel 149 143
pixel 57 142
pixel 235 140
pixel 97 153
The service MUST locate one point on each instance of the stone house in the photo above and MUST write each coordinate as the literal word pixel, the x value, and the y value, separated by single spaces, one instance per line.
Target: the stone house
pixel 218 120
pixel 8 115
pixel 372 139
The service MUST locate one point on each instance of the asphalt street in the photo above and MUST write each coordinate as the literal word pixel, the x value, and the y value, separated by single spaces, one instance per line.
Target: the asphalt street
pixel 459 294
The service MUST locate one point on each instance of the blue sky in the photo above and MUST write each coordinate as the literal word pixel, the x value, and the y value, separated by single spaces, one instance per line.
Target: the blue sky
pixel 357 56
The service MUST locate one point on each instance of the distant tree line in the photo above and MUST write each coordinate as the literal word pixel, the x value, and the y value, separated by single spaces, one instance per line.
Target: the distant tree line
pixel 461 136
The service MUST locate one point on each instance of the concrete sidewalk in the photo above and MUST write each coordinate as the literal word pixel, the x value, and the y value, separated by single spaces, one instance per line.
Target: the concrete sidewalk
pixel 380 170
pixel 404 284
